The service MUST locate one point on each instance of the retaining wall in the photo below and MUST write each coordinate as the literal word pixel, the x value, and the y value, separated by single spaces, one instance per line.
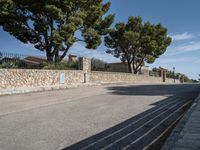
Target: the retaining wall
pixel 110 77
pixel 13 78
pixel 30 78
pixel 170 80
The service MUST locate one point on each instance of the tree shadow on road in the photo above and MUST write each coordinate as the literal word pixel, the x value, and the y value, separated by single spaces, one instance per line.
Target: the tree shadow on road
pixel 153 90
pixel 106 137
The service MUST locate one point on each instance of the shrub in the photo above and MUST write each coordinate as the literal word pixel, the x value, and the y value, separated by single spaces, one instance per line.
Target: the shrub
pixel 98 65
pixel 9 65
pixel 61 66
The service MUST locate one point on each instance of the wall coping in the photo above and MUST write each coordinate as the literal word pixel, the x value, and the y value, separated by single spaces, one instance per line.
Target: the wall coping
pixel 106 72
pixel 123 73
pixel 42 70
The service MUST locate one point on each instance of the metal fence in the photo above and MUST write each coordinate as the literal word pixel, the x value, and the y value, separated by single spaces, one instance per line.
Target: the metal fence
pixel 11 60
pixel 20 61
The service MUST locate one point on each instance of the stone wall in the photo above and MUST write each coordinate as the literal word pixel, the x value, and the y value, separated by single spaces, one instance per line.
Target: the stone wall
pixel 170 80
pixel 13 78
pixel 30 78
pixel 110 77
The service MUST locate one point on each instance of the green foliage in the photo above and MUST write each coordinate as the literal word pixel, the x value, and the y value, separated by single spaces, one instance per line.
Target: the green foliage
pixel 9 65
pixel 171 74
pixel 54 26
pixel 136 42
pixel 186 79
pixel 98 65
pixel 61 66
pixel 72 65
pixel 194 81
pixel 20 64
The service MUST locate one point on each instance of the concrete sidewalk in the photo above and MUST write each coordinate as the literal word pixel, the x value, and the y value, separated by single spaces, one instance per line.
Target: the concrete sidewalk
pixel 22 90
pixel 186 135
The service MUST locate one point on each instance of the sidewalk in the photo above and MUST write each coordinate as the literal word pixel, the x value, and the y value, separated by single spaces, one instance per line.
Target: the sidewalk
pixel 186 136
pixel 22 90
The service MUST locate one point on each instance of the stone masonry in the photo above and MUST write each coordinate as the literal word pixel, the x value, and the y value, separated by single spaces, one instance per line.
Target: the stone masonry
pixel 110 77
pixel 32 78
pixel 13 78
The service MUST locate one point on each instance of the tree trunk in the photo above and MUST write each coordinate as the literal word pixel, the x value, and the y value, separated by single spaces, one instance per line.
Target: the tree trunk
pixel 57 59
pixel 130 68
pixel 135 71
pixel 137 66
pixel 49 57
pixel 64 54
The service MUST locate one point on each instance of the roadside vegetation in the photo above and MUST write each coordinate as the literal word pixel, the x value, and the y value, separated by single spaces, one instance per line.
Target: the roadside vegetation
pixel 61 66
pixel 98 65
pixel 171 74
pixel 21 64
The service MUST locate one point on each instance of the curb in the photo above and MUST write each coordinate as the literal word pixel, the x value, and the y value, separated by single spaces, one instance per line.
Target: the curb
pixel 25 90
pixel 176 132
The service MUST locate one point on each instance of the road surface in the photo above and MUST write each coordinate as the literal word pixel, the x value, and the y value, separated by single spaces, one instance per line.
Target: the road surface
pixel 82 117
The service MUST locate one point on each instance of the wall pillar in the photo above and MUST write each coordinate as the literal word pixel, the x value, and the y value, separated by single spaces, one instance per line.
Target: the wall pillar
pixel 182 79
pixel 85 65
pixel 163 74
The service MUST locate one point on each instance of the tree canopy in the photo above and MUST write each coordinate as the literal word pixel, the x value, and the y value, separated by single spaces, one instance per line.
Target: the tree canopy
pixel 136 42
pixel 55 25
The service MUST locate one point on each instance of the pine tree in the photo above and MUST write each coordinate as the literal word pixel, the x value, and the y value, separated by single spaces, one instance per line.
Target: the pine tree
pixel 136 42
pixel 54 26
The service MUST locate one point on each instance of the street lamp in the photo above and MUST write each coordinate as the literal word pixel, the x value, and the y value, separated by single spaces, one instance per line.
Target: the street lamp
pixel 174 73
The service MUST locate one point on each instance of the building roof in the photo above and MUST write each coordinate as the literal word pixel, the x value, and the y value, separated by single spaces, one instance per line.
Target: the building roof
pixel 163 69
pixel 34 60
pixel 70 55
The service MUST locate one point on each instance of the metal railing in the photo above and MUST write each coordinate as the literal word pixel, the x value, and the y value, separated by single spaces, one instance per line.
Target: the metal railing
pixel 21 61
pixel 11 60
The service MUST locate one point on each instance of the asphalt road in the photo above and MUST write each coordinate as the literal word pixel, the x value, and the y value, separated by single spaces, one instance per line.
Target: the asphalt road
pixel 59 119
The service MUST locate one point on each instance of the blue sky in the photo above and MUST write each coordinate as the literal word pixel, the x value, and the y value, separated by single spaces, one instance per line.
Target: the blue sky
pixel 181 17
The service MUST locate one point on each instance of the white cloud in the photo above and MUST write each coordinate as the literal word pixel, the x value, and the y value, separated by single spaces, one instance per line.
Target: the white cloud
pixel 168 60
pixel 183 36
pixel 169 57
pixel 183 48
pixel 81 51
